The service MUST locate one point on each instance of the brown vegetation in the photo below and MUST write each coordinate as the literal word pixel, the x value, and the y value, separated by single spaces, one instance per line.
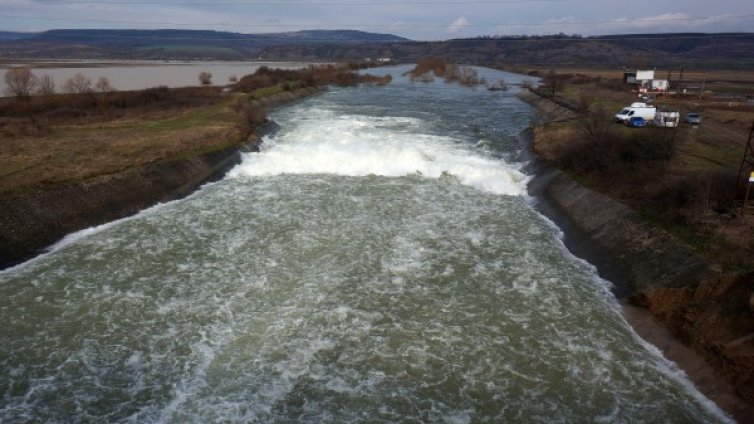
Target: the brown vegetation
pixel 20 82
pixel 716 319
pixel 682 178
pixel 78 83
pixel 70 137
pixel 205 78
pixel 428 68
pixel 311 76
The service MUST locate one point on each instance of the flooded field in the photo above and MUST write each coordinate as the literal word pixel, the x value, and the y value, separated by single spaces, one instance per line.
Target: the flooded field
pixel 138 75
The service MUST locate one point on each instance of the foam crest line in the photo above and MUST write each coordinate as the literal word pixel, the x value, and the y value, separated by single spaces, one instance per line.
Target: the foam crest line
pixel 363 145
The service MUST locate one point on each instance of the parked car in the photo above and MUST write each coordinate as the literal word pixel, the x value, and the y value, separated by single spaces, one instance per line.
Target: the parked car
pixel 637 121
pixel 694 118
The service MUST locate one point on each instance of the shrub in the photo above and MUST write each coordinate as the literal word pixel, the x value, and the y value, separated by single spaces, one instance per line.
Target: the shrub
pixel 687 198
pixel 31 126
pixel 612 158
pixel 435 65
pixel 311 76
pixel 20 82
pixel 78 83
pixel 250 116
pixel 205 78
pixel 46 85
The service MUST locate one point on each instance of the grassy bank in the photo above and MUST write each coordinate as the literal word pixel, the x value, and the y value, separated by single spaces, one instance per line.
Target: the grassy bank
pixel 681 179
pixel 69 138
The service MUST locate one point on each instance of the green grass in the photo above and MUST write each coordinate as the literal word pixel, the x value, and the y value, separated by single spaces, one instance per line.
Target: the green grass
pixel 261 93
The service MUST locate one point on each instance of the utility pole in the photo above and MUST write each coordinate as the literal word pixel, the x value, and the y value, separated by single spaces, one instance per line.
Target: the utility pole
pixel 746 170
pixel 704 82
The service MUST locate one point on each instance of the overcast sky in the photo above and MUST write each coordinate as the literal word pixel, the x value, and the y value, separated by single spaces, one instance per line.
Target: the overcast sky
pixel 415 19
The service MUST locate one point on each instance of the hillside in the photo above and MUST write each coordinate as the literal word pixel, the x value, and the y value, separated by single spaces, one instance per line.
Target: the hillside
pixel 691 50
pixel 730 51
pixel 169 43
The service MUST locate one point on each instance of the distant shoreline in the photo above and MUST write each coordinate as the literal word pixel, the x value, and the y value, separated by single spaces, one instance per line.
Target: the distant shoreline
pixel 132 75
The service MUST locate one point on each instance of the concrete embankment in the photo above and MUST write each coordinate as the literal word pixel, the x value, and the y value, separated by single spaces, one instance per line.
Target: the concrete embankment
pixel 31 221
pixel 633 253
pixel 699 319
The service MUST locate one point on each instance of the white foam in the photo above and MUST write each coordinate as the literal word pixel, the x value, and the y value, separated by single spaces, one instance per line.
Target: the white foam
pixel 359 146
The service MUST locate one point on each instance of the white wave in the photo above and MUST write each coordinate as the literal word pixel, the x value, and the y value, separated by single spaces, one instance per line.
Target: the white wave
pixel 393 147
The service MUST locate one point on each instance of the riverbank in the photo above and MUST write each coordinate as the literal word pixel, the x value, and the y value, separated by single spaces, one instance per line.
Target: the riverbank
pixel 35 218
pixel 643 262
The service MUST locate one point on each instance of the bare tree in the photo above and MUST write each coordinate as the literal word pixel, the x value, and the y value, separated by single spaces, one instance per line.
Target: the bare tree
pixel 78 83
pixel 20 82
pixel 46 85
pixel 103 85
pixel 103 88
pixel 205 78
pixel 554 82
pixel 596 125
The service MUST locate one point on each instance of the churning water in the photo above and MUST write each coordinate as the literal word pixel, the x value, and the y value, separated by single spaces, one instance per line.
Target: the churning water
pixel 378 261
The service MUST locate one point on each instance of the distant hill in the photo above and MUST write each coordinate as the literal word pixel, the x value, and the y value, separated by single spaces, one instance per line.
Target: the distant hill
pixel 731 51
pixel 693 50
pixel 12 36
pixel 169 43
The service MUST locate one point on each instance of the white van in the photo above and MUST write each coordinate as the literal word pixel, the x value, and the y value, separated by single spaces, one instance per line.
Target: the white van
pixel 638 109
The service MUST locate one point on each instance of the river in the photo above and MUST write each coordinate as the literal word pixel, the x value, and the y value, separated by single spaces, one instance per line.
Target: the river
pixel 378 261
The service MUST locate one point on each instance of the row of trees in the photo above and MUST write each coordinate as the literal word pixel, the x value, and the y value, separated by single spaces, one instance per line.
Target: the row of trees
pixel 22 83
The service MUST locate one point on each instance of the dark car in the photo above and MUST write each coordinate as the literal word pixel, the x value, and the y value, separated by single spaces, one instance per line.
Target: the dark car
pixel 694 118
pixel 636 121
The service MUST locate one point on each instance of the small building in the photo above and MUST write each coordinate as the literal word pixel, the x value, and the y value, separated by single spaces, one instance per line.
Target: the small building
pixel 645 80
pixel 637 76
pixel 660 85
pixel 642 75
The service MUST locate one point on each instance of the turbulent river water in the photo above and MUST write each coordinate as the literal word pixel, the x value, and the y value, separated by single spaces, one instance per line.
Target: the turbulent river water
pixel 378 261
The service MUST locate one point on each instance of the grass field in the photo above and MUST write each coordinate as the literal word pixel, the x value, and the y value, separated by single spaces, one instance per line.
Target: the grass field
pixel 71 153
pixel 67 138
pixel 691 193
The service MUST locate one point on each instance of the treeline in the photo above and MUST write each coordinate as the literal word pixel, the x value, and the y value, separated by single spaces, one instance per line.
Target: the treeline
pixel 427 69
pixel 558 36
pixel 310 76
